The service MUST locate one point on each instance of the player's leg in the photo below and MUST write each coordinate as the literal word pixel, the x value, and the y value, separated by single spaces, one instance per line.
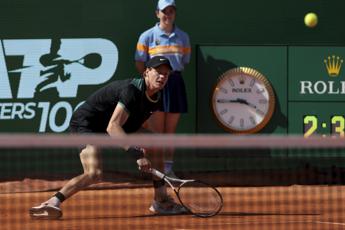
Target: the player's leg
pixel 162 122
pixel 171 121
pixel 91 160
pixel 155 155
pixel 156 123
pixel 92 164
pixel 162 202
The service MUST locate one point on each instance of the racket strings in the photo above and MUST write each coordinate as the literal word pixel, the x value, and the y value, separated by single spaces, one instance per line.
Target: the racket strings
pixel 200 198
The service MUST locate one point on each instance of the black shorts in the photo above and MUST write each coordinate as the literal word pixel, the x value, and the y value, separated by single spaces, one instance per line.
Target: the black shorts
pixel 80 129
pixel 81 122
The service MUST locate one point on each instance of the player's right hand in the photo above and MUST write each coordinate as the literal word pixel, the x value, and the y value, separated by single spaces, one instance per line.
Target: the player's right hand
pixel 144 165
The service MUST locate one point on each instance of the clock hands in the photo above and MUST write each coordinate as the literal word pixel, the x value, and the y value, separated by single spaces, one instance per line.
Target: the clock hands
pixel 238 100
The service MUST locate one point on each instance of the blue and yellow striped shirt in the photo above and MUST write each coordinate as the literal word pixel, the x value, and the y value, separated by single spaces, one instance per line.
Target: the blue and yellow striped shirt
pixel 154 42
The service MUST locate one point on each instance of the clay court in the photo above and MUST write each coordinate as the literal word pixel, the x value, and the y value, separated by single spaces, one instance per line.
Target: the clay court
pixel 301 198
pixel 287 207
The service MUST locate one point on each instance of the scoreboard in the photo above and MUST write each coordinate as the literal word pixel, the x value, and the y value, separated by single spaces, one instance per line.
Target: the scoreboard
pixel 308 84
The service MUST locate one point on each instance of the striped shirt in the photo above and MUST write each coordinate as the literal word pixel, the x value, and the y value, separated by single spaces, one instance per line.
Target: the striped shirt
pixel 175 47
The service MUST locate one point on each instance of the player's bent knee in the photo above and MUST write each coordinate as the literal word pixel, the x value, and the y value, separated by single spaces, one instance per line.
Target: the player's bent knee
pixel 84 154
pixel 95 175
pixel 89 150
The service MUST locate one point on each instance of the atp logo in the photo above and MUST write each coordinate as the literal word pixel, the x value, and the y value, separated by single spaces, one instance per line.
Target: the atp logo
pixel 32 69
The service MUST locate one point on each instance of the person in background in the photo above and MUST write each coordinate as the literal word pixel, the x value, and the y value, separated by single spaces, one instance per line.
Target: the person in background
pixel 119 108
pixel 166 39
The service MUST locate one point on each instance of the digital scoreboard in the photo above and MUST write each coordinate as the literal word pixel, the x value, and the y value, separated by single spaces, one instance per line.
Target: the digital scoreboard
pixel 308 84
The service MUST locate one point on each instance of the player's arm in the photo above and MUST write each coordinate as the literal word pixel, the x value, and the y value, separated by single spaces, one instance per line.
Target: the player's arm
pixel 114 129
pixel 117 120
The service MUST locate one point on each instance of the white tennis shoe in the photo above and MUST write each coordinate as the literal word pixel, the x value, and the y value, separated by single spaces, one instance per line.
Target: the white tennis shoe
pixel 167 207
pixel 45 211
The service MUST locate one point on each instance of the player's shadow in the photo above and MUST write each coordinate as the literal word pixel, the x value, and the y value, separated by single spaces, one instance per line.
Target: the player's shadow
pixel 239 214
pixel 233 214
pixel 152 215
pixel 227 214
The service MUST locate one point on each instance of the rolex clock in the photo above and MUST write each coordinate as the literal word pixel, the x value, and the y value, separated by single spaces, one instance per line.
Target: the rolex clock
pixel 243 101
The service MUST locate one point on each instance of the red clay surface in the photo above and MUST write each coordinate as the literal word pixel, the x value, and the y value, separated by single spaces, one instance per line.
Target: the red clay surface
pixel 289 207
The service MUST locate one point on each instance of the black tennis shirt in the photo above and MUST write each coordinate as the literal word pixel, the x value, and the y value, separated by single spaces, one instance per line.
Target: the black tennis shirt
pixel 94 115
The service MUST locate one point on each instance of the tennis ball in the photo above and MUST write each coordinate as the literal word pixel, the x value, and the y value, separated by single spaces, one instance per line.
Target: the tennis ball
pixel 310 20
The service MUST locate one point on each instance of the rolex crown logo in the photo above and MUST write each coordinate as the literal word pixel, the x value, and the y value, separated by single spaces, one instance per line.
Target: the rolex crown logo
pixel 333 65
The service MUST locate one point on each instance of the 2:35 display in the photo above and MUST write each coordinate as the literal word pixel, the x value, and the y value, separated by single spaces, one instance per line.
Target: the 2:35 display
pixel 312 125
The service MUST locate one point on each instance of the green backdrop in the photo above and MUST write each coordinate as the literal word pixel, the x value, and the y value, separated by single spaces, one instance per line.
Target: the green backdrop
pixel 268 35
pixel 219 22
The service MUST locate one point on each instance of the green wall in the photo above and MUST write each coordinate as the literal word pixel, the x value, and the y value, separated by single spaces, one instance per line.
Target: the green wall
pixel 218 22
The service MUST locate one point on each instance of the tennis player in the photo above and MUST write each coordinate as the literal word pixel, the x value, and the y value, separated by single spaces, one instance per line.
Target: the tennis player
pixel 166 39
pixel 117 109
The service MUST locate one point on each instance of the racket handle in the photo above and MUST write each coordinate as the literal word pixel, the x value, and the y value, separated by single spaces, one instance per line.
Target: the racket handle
pixel 157 173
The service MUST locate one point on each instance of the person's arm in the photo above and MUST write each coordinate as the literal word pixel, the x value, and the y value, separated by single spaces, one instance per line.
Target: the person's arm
pixel 114 129
pixel 188 51
pixel 117 120
pixel 142 52
pixel 140 66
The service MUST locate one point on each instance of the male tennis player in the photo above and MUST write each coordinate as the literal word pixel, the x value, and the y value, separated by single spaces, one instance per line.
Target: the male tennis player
pixel 119 108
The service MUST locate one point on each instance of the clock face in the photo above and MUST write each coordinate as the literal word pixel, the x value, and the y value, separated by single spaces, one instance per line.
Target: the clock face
pixel 243 100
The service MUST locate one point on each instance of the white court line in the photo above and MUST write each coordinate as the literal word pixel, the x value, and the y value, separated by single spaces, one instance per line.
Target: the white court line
pixel 332 223
pixel 269 222
pixel 250 222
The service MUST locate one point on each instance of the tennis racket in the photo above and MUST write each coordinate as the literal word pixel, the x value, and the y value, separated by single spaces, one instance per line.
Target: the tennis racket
pixel 91 60
pixel 199 198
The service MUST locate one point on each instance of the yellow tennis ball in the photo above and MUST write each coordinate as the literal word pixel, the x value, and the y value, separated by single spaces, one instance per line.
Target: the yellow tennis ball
pixel 310 20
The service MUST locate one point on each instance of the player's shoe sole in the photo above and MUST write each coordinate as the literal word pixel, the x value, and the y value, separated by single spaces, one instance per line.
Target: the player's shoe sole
pixel 171 209
pixel 46 212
